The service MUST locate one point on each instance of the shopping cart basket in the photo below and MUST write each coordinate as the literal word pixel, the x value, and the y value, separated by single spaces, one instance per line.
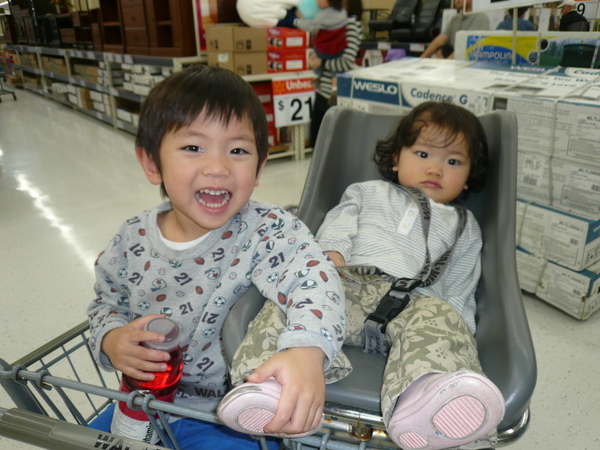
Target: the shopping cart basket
pixel 4 69
pixel 58 391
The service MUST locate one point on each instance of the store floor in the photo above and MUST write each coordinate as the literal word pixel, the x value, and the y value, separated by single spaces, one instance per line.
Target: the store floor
pixel 66 184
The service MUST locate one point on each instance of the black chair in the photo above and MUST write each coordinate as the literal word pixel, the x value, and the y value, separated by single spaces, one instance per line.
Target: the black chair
pixel 426 25
pixel 343 155
pixel 402 16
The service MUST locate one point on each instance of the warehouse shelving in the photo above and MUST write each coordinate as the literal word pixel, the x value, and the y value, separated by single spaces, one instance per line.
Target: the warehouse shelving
pixel 296 148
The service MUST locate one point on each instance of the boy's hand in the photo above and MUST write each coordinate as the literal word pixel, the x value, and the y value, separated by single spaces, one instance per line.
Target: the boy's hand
pixel 122 346
pixel 337 258
pixel 299 370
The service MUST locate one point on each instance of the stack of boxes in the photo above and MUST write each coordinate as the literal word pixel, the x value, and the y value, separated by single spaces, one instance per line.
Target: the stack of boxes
pixel 286 50
pixel 99 74
pixel 54 65
pixel 60 91
pixel 251 51
pixel 101 102
pixel 30 60
pixel 80 97
pixel 558 179
pixel 139 78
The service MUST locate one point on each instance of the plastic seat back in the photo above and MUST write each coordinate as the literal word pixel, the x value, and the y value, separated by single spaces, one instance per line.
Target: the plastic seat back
pixel 344 155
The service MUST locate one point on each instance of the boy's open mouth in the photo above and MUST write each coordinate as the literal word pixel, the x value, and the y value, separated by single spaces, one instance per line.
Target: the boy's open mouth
pixel 213 198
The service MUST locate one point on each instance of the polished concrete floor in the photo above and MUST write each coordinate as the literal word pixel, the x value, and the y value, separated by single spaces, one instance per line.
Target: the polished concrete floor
pixel 67 182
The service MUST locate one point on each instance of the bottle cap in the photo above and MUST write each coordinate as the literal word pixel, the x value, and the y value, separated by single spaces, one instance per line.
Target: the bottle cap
pixel 169 329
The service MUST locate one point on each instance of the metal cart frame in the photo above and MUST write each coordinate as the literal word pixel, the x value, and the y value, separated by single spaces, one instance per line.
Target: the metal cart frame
pixel 54 406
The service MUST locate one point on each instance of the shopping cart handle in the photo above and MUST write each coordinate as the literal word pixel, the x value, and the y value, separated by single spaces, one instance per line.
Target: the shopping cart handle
pixel 56 434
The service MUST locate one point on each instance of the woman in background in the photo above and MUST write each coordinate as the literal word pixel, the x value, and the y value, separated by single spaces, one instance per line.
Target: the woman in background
pixel 331 67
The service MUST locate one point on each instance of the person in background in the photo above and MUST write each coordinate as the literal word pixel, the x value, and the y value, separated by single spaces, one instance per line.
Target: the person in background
pixel 460 22
pixel 522 23
pixel 328 27
pixel 570 19
pixel 329 68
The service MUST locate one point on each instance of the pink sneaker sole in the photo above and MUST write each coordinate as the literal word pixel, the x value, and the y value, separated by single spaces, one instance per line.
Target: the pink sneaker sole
pixel 250 406
pixel 450 410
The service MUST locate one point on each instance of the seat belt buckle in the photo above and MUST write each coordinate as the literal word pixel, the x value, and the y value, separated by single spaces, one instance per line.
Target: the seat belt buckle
pixel 388 309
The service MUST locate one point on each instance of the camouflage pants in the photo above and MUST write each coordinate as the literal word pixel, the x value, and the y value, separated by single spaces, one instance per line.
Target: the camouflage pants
pixel 428 336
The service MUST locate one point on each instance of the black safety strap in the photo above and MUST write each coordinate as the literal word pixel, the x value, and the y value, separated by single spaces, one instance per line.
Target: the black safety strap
pixel 398 296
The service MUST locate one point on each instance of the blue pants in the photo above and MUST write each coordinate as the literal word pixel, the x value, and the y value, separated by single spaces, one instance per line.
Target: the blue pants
pixel 196 434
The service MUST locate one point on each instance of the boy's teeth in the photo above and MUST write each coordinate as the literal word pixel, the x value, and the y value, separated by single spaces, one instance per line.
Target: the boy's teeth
pixel 213 198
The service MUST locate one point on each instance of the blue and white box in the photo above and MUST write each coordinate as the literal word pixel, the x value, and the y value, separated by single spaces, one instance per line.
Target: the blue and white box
pixel 566 239
pixel 576 293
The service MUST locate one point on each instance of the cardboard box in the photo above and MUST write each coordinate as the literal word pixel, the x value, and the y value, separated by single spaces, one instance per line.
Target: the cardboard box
pixel 96 96
pixel 247 39
pixel 54 65
pixel 532 48
pixel 60 88
pixel 286 38
pixel 250 63
pixel 567 128
pixel 242 63
pixel 141 89
pixel 375 96
pixel 145 69
pixel 294 60
pixel 378 89
pixel 575 293
pixel 568 240
pixel 568 186
pixel 219 38
pixel 124 115
pixel 99 106
pixel 234 38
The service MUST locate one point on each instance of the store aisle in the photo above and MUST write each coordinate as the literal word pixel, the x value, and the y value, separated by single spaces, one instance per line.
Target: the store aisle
pixel 67 182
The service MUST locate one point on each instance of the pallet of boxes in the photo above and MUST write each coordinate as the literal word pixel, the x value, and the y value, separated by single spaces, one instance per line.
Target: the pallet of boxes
pixel 255 51
pixel 558 185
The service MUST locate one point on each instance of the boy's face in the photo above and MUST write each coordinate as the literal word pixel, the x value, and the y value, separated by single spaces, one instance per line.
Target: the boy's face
pixel 434 165
pixel 209 171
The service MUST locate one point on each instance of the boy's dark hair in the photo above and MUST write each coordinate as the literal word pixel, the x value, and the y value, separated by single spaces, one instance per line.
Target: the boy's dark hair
pixel 177 101
pixel 455 120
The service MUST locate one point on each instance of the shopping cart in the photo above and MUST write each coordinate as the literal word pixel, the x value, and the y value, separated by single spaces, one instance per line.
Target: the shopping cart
pixel 3 71
pixel 58 391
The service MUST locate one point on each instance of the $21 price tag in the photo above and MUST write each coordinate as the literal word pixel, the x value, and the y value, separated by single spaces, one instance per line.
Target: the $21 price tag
pixel 293 100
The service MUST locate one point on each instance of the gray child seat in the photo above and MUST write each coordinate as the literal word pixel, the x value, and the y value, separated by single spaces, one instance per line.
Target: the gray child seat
pixel 343 155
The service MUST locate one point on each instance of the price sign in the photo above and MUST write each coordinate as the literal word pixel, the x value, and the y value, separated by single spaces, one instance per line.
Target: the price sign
pixel 293 99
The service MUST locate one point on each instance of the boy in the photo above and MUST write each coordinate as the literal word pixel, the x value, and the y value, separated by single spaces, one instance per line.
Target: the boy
pixel 202 137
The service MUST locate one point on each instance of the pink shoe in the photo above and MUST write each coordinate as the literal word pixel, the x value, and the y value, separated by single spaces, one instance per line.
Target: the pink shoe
pixel 250 406
pixel 446 410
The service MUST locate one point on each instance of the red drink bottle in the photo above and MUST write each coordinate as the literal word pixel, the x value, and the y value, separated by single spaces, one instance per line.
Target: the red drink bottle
pixel 135 424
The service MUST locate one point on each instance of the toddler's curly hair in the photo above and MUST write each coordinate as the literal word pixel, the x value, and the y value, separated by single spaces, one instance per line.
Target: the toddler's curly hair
pixel 456 121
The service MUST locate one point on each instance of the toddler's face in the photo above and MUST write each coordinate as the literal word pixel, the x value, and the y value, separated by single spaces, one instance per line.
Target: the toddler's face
pixel 209 171
pixel 435 164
